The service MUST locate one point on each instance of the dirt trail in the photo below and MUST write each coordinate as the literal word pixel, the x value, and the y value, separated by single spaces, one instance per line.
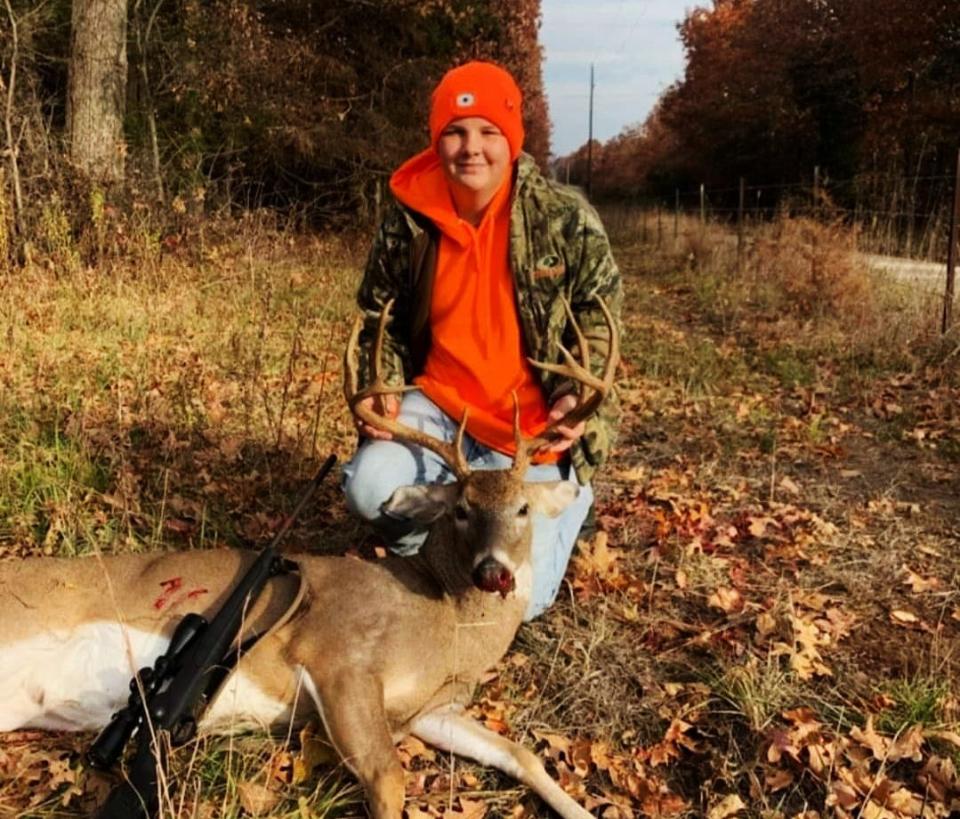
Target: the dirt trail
pixel 926 275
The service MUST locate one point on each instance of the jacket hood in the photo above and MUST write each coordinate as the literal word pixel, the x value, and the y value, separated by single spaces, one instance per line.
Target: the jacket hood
pixel 420 186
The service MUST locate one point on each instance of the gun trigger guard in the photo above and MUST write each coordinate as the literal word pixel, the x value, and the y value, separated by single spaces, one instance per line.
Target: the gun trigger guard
pixel 283 565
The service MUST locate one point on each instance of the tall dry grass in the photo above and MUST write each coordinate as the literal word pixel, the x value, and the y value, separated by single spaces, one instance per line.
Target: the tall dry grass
pixel 799 282
pixel 153 400
pixel 169 396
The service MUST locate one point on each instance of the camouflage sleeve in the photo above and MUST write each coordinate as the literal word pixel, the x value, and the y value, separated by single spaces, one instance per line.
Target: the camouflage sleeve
pixel 384 278
pixel 595 276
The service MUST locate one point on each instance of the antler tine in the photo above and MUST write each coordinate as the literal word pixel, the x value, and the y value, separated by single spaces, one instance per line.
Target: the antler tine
pixel 452 454
pixel 521 460
pixel 376 363
pixel 591 390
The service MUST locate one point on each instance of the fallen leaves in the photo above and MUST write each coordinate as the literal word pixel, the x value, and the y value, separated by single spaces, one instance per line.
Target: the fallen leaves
pixel 729 806
pixel 817 622
pixel 38 773
pixel 727 600
pixel 856 768
pixel 256 798
pixel 918 584
pixel 676 738
pixel 901 617
pixel 597 570
pixel 459 807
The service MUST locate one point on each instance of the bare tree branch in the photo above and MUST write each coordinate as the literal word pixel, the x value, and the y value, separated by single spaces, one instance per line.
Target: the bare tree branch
pixel 13 144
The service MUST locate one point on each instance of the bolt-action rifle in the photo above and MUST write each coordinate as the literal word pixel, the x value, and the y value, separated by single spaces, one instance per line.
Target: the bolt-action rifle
pixel 166 700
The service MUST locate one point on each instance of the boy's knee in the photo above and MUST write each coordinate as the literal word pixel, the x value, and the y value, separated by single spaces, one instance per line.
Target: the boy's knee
pixel 372 476
pixel 366 492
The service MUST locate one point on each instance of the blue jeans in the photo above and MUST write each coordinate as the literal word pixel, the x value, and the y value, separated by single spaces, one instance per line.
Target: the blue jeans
pixel 379 467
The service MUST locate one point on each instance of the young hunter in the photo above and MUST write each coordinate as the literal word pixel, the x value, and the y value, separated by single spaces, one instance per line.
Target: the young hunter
pixel 478 253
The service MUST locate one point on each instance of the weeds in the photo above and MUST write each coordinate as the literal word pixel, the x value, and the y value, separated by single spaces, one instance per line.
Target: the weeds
pixel 177 404
pixel 108 378
pixel 919 700
pixel 756 690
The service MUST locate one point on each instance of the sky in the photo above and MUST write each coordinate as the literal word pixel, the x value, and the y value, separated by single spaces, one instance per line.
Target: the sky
pixel 636 53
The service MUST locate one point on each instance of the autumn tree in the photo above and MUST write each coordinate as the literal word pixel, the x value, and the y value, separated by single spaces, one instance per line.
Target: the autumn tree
pixel 300 105
pixel 868 90
pixel 97 88
pixel 519 49
pixel 297 102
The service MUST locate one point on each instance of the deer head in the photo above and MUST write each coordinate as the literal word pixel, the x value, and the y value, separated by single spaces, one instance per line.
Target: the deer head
pixel 485 516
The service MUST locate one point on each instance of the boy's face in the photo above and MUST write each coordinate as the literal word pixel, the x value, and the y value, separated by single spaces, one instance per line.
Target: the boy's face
pixel 474 154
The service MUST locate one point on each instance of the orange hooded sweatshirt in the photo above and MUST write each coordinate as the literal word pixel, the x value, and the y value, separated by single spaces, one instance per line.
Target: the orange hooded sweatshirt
pixel 476 358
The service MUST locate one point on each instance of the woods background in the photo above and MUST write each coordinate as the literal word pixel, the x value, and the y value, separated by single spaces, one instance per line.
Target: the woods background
pixel 867 91
pixel 300 106
pixel 306 107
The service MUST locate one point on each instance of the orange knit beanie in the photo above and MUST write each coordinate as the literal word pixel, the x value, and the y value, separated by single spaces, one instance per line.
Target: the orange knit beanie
pixel 479 89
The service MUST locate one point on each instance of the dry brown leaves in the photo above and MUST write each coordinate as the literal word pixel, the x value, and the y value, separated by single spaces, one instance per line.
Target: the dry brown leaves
pixel 618 784
pixel 31 773
pixel 856 768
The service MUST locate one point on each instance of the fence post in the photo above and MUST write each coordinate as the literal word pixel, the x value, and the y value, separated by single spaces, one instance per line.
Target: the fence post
pixel 659 226
pixel 743 196
pixel 816 190
pixel 703 205
pixel 952 253
pixel 676 214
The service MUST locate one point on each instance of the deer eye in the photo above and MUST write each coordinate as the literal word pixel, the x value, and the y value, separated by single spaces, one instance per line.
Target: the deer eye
pixel 460 513
pixel 524 510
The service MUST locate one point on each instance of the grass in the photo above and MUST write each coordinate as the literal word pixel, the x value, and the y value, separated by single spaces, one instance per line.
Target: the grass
pixel 116 385
pixel 919 700
pixel 787 448
pixel 755 692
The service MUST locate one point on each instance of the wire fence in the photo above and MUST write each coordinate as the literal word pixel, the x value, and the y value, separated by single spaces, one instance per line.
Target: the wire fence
pixel 908 217
pixel 891 214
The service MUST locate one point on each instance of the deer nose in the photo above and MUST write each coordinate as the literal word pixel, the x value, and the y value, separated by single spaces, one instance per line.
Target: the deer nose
pixel 491 575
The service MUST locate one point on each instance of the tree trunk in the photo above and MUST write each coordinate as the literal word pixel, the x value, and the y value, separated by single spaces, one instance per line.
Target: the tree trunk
pixel 98 88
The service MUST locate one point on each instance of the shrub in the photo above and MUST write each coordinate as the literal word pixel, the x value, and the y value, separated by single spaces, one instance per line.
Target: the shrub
pixel 811 269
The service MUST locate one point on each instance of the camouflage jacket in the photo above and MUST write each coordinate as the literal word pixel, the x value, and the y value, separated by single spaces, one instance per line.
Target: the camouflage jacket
pixel 557 247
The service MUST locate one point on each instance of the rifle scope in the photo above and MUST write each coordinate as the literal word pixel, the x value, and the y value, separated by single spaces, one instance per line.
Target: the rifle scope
pixel 110 742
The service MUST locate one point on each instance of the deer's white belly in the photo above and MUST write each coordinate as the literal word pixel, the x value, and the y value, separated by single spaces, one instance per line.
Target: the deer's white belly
pixel 72 680
pixel 75 680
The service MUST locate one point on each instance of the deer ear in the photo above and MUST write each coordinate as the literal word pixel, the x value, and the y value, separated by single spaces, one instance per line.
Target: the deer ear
pixel 424 503
pixel 551 497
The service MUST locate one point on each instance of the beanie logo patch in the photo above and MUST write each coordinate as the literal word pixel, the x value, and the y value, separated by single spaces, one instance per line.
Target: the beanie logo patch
pixel 465 100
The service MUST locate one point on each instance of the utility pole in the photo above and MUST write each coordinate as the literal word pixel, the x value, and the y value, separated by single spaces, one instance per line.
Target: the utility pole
pixel 590 141
pixel 741 201
pixel 952 253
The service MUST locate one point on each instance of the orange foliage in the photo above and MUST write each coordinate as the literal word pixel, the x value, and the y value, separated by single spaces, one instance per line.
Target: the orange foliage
pixel 864 89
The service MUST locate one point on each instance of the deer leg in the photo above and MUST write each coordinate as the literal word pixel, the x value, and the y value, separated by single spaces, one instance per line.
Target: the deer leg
pixel 351 707
pixel 451 731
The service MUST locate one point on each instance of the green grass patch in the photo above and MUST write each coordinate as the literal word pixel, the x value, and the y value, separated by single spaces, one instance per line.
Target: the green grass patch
pixel 920 700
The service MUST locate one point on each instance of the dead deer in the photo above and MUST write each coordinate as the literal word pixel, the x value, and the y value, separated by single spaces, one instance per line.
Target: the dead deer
pixel 379 649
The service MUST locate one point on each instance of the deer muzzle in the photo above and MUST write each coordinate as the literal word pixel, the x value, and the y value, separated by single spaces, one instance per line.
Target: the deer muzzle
pixel 491 575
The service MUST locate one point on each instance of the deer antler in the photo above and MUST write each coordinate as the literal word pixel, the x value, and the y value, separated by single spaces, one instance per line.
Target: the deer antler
pixel 451 453
pixel 590 393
